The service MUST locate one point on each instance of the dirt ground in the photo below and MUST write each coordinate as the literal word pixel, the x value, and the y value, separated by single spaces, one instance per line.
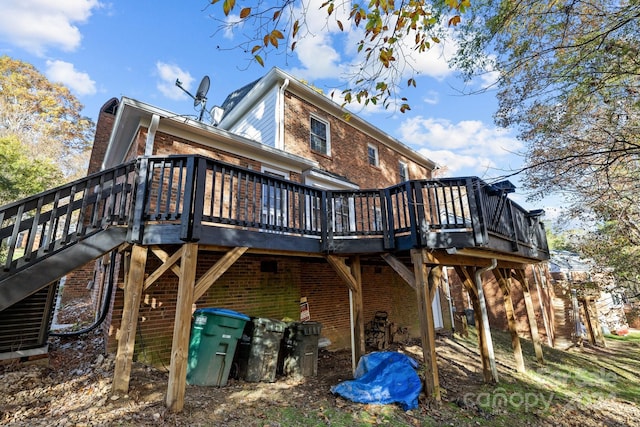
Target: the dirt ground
pixel 74 389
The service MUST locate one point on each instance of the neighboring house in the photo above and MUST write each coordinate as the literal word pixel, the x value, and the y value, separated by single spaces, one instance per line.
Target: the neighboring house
pixel 588 302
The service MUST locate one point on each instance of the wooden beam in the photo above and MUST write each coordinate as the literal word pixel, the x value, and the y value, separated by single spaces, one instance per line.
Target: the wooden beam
pixel 503 276
pixel 531 314
pixel 593 325
pixel 466 275
pixel 441 257
pixel 427 329
pixel 466 278
pixel 216 271
pixel 168 262
pixel 343 270
pixel 259 251
pixel 521 262
pixel 352 276
pixel 435 280
pixel 402 270
pixel 128 326
pixel 164 257
pixel 181 328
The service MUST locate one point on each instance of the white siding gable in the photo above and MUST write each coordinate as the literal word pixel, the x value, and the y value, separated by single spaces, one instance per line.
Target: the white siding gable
pixel 259 123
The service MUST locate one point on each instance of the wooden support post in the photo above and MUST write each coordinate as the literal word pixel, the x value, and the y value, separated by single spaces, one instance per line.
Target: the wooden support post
pixel 128 326
pixel 423 279
pixel 593 324
pixel 358 309
pixel 353 278
pixel 466 275
pixel 503 276
pixel 181 328
pixel 531 314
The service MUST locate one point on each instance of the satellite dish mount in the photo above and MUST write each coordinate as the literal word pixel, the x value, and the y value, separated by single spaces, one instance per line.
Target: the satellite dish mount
pixel 200 97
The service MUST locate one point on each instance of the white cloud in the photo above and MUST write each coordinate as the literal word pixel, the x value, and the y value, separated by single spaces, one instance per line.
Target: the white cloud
pixel 431 97
pixel 65 73
pixel 466 145
pixel 319 32
pixel 167 74
pixel 36 25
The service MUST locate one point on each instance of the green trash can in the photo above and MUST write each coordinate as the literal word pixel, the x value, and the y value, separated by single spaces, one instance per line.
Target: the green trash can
pixel 258 350
pixel 300 349
pixel 214 337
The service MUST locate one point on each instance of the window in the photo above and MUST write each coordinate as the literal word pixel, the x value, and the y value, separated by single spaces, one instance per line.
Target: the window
pixel 274 200
pixel 404 171
pixel 372 152
pixel 320 136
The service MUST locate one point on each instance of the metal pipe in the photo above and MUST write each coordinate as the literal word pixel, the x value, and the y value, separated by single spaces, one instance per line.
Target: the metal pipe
pixel 104 307
pixel 485 317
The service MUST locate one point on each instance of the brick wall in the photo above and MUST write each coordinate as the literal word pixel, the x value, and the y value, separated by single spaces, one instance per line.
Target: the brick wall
pixel 104 126
pixel 80 283
pixel 348 155
pixel 245 288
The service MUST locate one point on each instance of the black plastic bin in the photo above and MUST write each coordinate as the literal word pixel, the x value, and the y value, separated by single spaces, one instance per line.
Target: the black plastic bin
pixel 471 319
pixel 258 349
pixel 299 350
pixel 214 337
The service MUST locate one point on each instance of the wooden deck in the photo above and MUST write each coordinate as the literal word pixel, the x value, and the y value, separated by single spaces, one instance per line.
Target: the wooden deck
pixel 179 199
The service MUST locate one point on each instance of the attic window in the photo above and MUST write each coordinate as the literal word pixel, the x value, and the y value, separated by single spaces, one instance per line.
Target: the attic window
pixel 320 136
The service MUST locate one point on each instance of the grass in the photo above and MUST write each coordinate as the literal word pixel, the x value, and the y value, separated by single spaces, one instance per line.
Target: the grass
pixel 582 382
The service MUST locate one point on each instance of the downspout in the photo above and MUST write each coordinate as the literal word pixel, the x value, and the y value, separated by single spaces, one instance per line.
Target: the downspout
pixel 280 119
pixel 485 317
pixel 104 310
pixel 151 135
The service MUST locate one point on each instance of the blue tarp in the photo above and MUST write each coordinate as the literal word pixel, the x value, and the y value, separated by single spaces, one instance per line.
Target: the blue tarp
pixel 383 377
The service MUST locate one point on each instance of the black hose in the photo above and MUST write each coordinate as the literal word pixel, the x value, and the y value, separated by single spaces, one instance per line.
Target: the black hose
pixel 105 306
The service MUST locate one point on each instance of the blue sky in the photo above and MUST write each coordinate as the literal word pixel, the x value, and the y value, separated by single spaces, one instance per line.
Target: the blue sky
pixel 104 49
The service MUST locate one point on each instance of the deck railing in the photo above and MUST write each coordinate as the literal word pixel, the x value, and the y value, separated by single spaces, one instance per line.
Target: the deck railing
pixel 44 223
pixel 194 191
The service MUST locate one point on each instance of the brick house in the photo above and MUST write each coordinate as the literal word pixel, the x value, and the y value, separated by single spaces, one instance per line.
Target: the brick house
pixel 283 127
pixel 281 197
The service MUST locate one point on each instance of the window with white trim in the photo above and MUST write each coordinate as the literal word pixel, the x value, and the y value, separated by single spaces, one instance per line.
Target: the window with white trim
pixel 372 154
pixel 403 170
pixel 320 136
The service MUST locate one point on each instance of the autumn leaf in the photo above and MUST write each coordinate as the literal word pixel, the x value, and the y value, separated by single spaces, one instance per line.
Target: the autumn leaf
pixel 245 12
pixel 259 60
pixel 228 6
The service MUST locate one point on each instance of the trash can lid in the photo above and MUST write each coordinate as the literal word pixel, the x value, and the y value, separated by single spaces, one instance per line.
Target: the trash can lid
pixel 223 312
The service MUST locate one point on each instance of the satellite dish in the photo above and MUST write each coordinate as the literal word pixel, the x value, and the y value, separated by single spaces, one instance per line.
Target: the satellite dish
pixel 201 94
